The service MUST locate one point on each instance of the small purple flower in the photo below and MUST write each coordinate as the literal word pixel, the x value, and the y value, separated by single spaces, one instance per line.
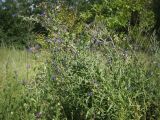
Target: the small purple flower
pixel 158 65
pixel 136 47
pixel 2 1
pixel 56 49
pixel 42 13
pixel 49 40
pixel 110 59
pixel 38 115
pixel 58 40
pixel 90 94
pixel 71 7
pixel 149 73
pixel 98 42
pixel 54 64
pixel 14 15
pixel 37 47
pixel 125 54
pixel 129 88
pixel 28 50
pixel 53 78
pixel 4 8
pixel 87 1
pixel 62 78
pixel 31 49
pixel 32 7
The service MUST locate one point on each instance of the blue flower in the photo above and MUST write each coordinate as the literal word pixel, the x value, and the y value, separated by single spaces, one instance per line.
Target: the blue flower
pixel 87 1
pixel 49 40
pixel 90 94
pixel 3 0
pixel 53 78
pixel 58 40
pixel 14 15
pixel 125 54
pixel 32 7
pixel 38 115
pixel 110 59
pixel 42 13
pixel 37 47
pixel 149 73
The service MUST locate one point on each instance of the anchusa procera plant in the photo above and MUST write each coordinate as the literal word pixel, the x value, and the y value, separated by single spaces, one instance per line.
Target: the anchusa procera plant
pixel 104 84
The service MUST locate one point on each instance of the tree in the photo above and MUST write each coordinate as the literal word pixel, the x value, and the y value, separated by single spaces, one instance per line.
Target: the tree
pixel 13 28
pixel 156 8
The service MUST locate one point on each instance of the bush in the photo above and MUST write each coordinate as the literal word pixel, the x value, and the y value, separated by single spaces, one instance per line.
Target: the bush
pixel 88 84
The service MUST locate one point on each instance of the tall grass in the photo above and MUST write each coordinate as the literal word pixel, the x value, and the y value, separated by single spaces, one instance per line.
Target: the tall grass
pixel 17 71
pixel 102 83
pixel 13 61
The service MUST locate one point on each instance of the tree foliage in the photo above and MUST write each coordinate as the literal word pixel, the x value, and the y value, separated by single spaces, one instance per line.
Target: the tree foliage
pixel 116 15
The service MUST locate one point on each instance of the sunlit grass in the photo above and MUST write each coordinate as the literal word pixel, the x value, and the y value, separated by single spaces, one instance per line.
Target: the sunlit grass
pixel 109 84
pixel 18 64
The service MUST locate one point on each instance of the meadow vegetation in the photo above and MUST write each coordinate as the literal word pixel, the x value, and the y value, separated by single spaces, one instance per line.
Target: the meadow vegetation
pixel 84 60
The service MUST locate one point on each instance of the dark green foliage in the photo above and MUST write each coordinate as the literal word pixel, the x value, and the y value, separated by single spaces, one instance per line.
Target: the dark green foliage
pixel 39 29
pixel 117 15
pixel 156 6
pixel 135 18
pixel 14 30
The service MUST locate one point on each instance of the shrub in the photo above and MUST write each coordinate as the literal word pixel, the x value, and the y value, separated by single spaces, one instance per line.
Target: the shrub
pixel 106 84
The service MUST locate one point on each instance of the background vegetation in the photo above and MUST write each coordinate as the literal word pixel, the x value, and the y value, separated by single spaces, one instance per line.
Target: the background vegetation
pixel 79 60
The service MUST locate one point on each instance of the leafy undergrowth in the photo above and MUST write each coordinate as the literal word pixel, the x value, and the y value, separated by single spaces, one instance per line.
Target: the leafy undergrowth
pixel 110 84
pixel 87 84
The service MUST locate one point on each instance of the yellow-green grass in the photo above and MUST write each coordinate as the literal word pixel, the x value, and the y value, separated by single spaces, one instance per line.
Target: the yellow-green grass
pixel 17 64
